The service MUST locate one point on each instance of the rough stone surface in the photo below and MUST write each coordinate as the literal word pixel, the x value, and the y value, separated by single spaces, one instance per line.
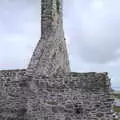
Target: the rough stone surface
pixel 11 102
pixel 84 96
pixel 50 56
pixel 47 90
pixel 77 96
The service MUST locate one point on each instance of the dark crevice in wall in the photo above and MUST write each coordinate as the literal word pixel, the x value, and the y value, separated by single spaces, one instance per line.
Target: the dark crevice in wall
pixel 58 6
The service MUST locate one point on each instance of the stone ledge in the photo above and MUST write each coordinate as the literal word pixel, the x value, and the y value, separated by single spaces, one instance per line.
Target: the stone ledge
pixel 11 73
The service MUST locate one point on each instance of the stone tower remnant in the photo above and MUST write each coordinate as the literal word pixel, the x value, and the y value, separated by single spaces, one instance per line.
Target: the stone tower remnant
pixel 47 90
pixel 50 56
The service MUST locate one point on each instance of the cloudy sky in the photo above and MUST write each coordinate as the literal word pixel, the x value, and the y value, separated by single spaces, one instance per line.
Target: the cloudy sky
pixel 92 29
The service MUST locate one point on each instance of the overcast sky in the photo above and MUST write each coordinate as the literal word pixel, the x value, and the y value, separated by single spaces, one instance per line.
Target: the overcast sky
pixel 92 29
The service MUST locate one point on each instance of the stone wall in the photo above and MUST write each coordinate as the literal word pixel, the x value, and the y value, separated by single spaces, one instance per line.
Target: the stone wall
pixel 31 95
pixel 11 73
pixel 78 96
pixel 11 101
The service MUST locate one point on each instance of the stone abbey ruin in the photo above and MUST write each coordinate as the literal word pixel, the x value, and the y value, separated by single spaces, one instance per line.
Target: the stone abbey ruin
pixel 47 89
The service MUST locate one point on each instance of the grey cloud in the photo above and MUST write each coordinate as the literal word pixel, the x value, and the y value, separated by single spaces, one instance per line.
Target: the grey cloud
pixel 19 32
pixel 14 13
pixel 96 32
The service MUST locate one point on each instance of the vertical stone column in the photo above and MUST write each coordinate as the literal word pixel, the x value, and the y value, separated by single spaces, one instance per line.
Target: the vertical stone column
pixel 50 56
pixel 51 16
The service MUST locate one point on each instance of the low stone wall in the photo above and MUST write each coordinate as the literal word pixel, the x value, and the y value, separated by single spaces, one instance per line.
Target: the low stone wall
pixel 77 96
pixel 11 101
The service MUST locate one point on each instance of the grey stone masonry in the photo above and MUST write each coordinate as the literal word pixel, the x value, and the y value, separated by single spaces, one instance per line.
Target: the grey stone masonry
pixel 77 96
pixel 51 17
pixel 47 90
pixel 11 100
pixel 50 56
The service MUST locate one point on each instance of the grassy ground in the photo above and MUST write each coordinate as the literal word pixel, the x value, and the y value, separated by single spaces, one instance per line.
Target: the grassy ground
pixel 117 95
pixel 117 108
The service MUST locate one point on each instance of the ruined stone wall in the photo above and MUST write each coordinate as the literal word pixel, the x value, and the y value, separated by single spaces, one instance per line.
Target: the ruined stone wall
pixel 78 96
pixel 45 90
pixel 11 73
pixel 11 101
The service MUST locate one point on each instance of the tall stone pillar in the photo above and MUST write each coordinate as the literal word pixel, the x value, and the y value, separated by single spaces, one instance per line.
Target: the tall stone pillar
pixel 50 56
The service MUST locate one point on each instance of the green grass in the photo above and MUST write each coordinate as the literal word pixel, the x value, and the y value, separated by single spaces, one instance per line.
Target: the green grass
pixel 117 95
pixel 116 108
